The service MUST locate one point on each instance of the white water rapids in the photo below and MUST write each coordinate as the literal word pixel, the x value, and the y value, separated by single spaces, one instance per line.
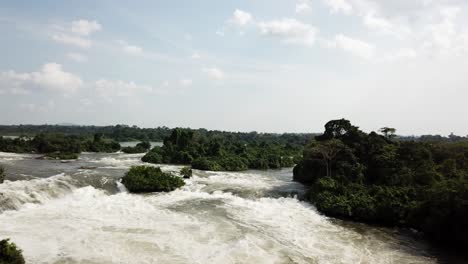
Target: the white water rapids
pixel 81 215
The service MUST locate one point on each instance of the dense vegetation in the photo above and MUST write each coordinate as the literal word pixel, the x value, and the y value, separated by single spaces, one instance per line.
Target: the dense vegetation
pixel 227 152
pixel 141 147
pixel 122 133
pixel 186 172
pixel 10 253
pixel 60 144
pixel 2 174
pixel 150 179
pixel 374 178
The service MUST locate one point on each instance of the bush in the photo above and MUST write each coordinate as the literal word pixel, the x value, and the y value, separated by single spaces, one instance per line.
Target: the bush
pixel 2 174
pixel 233 163
pixel 62 156
pixel 9 253
pixel 154 156
pixel 150 179
pixel 141 147
pixel 186 172
pixel 206 164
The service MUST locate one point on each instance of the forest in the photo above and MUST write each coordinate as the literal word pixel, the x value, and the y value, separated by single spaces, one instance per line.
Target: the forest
pixel 228 151
pixel 377 179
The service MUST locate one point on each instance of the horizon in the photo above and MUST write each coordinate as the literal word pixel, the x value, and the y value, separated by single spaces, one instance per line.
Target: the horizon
pixel 274 67
pixel 229 131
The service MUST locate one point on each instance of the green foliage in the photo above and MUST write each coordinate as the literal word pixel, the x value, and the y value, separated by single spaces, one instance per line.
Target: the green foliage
pixel 206 164
pixel 186 172
pixel 62 156
pixel 214 151
pixel 150 179
pixel 141 147
pixel 154 156
pixel 372 178
pixel 2 174
pixel 10 253
pixel 51 143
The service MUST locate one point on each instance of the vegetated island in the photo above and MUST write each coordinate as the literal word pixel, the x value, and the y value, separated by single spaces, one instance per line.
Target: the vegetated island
pixel 377 179
pixel 225 152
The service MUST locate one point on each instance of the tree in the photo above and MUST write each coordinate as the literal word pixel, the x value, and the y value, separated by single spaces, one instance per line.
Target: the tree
pixel 329 150
pixel 388 132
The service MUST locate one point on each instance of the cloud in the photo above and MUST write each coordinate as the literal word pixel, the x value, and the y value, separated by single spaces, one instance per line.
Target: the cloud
pixel 185 82
pixel 337 6
pixel 76 34
pixel 290 30
pixel 195 56
pixel 84 27
pixel 214 73
pixel 72 40
pixel 51 77
pixel 354 46
pixel 241 18
pixel 108 88
pixel 130 49
pixel 77 57
pixel 302 7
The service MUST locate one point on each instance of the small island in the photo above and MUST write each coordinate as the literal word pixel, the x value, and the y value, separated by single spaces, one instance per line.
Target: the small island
pixel 144 179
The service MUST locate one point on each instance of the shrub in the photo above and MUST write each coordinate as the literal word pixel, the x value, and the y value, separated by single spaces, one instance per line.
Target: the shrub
pixel 141 147
pixel 186 172
pixel 206 164
pixel 150 179
pixel 10 253
pixel 232 163
pixel 154 156
pixel 2 174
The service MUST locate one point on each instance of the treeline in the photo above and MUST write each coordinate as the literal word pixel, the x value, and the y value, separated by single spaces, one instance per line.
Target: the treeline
pixel 122 133
pixel 59 143
pixel 374 178
pixel 224 151
pixel 118 133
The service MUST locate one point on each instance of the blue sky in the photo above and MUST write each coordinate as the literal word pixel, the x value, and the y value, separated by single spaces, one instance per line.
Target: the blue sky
pixel 276 66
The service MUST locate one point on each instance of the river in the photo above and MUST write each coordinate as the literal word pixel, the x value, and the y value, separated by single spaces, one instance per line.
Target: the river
pixel 78 212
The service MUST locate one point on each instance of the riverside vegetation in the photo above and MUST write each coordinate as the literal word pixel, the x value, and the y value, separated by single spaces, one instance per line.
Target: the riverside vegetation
pixel 59 146
pixel 377 179
pixel 10 253
pixel 226 152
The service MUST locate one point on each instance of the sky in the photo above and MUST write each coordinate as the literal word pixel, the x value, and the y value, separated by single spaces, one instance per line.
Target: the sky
pixel 263 65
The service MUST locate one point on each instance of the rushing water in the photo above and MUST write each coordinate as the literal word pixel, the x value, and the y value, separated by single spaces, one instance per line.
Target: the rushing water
pixel 78 212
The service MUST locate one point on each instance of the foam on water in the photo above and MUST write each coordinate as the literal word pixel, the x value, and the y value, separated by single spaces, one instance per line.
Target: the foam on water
pixel 13 194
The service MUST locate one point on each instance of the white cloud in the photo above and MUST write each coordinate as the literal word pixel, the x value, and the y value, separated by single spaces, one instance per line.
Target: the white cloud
pixel 72 40
pixel 130 49
pixel 241 18
pixel 290 30
pixel 77 34
pixel 337 6
pixel 302 7
pixel 354 46
pixel 77 57
pixel 185 82
pixel 84 27
pixel 108 88
pixel 195 56
pixel 51 77
pixel 214 73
